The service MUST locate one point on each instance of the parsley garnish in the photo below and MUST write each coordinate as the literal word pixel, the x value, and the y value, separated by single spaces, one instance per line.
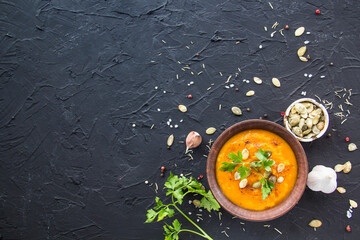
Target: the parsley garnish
pixel 236 160
pixel 263 163
pixel 178 188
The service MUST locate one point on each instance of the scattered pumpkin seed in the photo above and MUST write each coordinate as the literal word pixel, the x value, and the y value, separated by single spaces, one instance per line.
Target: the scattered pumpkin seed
pixel 352 147
pixel 301 51
pixel 280 179
pixel 170 140
pixel 210 130
pixel 237 111
pixel 304 59
pixel 250 93
pixel 257 80
pixel 280 167
pixel 299 31
pixel 339 167
pixel 276 82
pixel 245 154
pixel 347 167
pixel 353 203
pixel 182 108
pixel 256 185
pixel 237 176
pixel 315 223
pixel 341 190
pixel 243 183
pixel 196 203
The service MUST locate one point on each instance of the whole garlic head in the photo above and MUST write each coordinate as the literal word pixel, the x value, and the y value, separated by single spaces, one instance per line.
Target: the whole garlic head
pixel 322 179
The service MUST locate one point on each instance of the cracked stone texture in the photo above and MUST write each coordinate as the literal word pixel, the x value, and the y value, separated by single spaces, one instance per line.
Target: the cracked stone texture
pixel 76 75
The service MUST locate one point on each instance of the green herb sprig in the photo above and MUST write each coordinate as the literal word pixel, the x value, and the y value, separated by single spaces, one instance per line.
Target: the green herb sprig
pixel 236 160
pixel 263 163
pixel 178 188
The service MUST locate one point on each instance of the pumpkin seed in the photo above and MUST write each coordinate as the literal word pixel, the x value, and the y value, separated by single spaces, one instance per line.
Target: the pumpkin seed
pixel 276 82
pixel 182 108
pixel 304 59
pixel 347 167
pixel 266 174
pixel 280 167
pixel 272 179
pixel 237 176
pixel 257 80
pixel 237 111
pixel 170 140
pixel 300 108
pixel 353 203
pixel 245 154
pixel 301 51
pixel 320 125
pixel 210 130
pixel 196 203
pixel 256 185
pixel 315 223
pixel 339 167
pixel 352 147
pixel 341 190
pixel 243 183
pixel 280 179
pixel 299 31
pixel 250 93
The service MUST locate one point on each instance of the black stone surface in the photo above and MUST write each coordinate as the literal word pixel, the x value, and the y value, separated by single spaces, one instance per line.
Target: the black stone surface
pixel 76 75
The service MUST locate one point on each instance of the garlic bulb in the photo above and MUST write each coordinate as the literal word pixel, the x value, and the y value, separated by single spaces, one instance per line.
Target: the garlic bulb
pixel 322 179
pixel 193 140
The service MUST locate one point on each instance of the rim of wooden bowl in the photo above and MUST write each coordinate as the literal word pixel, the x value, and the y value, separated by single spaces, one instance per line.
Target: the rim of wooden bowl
pixel 284 206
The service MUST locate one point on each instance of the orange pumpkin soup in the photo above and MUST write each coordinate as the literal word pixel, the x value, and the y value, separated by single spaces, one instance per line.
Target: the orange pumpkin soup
pixel 250 196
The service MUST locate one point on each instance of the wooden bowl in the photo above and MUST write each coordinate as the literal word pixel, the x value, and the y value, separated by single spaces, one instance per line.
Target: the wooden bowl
pixel 281 208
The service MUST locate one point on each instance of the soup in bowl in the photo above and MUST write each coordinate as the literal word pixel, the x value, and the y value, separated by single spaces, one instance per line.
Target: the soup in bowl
pixel 257 170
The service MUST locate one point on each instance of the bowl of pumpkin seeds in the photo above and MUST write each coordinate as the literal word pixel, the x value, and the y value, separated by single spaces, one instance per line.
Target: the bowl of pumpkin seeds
pixel 306 119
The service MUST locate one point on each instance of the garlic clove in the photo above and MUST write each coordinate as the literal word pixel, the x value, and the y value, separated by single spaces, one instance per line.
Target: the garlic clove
pixel 322 179
pixel 193 140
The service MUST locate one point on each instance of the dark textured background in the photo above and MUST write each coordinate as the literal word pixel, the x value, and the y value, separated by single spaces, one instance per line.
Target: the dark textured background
pixel 76 75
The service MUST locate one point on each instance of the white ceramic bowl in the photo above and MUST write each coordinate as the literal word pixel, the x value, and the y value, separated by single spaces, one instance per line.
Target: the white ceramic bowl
pixel 326 115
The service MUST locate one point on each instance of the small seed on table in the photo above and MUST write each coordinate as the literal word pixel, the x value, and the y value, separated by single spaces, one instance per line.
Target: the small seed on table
pixel 250 93
pixel 341 190
pixel 276 82
pixel 257 80
pixel 353 203
pixel 210 130
pixel 182 108
pixel 339 167
pixel 347 167
pixel 170 140
pixel 352 147
pixel 237 111
pixel 299 31
pixel 315 223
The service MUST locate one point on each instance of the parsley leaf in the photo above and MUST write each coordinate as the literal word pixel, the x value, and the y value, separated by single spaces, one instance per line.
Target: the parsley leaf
pixel 235 158
pixel 151 215
pixel 266 187
pixel 243 171
pixel 209 202
pixel 228 167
